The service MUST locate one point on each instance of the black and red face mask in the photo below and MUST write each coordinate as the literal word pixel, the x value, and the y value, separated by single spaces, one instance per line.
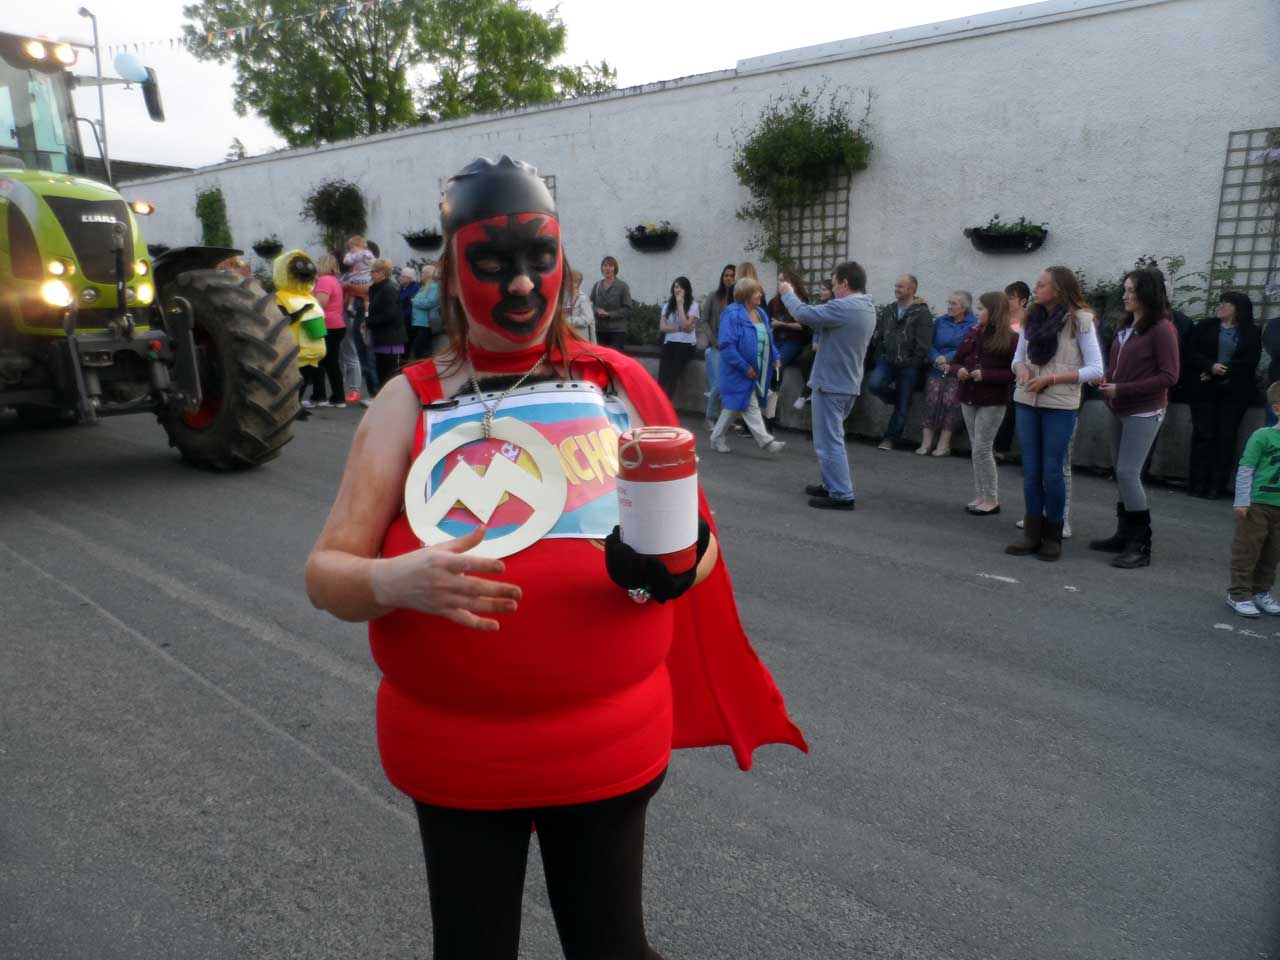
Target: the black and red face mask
pixel 491 254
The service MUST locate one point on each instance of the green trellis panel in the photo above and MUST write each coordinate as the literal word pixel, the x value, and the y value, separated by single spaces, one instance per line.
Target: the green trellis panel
pixel 1248 230
pixel 815 236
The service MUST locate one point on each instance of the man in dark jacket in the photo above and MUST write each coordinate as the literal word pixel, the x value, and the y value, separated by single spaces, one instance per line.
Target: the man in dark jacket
pixel 385 321
pixel 904 333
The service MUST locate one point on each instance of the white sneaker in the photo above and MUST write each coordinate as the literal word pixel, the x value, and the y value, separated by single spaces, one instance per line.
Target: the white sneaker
pixel 1266 604
pixel 710 425
pixel 308 404
pixel 776 446
pixel 1021 523
pixel 1244 608
pixel 1066 529
pixel 800 402
pixel 323 403
pixel 719 446
pixel 885 445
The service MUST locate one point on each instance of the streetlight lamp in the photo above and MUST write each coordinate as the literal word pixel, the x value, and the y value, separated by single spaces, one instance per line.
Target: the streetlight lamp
pixel 102 106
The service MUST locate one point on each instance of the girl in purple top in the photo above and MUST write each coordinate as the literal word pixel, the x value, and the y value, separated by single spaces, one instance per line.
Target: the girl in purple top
pixel 1142 367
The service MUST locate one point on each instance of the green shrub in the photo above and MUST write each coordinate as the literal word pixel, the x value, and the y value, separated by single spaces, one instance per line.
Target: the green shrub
pixel 642 327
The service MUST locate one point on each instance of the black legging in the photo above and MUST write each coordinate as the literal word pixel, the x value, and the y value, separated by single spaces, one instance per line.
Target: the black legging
pixel 332 364
pixel 1215 421
pixel 313 377
pixel 593 858
pixel 387 365
pixel 612 338
pixel 671 363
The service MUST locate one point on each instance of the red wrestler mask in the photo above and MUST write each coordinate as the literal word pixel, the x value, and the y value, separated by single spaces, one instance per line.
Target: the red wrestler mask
pixel 492 254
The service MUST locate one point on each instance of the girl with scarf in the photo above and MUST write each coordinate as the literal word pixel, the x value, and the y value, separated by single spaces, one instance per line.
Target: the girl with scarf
pixel 1057 353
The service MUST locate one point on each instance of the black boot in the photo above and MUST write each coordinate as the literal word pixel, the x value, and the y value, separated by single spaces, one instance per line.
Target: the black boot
pixel 1051 547
pixel 1137 547
pixel 1116 542
pixel 1032 537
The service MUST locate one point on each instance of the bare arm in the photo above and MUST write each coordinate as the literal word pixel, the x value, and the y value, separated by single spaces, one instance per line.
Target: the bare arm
pixel 344 573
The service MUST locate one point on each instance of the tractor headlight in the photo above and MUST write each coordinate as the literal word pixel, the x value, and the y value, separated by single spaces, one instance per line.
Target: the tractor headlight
pixel 141 268
pixel 143 207
pixel 57 268
pixel 35 49
pixel 146 293
pixel 65 54
pixel 56 293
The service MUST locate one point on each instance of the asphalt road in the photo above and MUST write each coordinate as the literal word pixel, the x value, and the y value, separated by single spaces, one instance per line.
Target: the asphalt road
pixel 1011 759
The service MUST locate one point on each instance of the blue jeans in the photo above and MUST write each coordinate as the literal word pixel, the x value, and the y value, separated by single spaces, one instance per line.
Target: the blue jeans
pixel 829 413
pixel 712 357
pixel 1044 436
pixel 894 385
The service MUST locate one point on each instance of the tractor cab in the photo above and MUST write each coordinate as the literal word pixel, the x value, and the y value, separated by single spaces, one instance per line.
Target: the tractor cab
pixel 37 120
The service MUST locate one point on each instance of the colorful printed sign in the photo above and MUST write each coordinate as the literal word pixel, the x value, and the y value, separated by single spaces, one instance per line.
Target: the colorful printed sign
pixel 580 424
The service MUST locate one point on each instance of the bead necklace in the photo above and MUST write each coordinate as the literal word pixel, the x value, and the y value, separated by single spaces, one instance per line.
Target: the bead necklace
pixel 489 411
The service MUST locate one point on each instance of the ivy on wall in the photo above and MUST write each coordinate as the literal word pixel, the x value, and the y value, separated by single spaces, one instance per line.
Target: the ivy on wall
pixel 211 211
pixel 799 144
pixel 337 207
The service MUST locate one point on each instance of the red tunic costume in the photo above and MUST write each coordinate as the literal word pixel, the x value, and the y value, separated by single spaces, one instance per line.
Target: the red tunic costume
pixel 582 693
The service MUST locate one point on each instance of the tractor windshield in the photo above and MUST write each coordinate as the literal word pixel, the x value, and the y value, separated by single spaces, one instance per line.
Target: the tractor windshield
pixel 36 121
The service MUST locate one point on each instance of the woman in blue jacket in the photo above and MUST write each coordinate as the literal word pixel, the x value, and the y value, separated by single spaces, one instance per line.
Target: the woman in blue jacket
pixel 942 412
pixel 747 354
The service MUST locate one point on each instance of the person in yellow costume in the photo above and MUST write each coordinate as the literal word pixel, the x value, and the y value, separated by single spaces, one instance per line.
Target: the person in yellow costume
pixel 294 274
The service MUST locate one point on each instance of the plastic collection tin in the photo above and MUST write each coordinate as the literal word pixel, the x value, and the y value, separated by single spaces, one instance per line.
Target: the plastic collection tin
pixel 658 494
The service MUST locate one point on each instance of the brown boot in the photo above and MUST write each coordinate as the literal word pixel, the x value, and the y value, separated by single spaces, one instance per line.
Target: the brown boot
pixel 1032 536
pixel 1051 548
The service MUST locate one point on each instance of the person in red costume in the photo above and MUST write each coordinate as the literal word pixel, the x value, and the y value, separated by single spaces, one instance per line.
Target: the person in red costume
pixel 535 685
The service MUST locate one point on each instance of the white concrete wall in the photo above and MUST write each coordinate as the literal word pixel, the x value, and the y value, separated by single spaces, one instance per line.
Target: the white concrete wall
pixel 1107 120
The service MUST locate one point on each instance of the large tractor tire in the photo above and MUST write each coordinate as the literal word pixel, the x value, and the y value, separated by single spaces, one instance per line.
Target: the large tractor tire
pixel 249 376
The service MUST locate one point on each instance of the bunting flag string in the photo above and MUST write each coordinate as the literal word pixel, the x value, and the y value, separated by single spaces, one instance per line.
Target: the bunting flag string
pixel 353 9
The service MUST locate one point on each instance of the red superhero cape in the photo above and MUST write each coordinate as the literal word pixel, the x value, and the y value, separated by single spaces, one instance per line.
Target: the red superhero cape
pixel 722 692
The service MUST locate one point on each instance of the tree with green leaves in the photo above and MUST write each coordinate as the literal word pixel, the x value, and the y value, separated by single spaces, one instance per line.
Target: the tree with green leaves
pixel 329 73
pixel 489 55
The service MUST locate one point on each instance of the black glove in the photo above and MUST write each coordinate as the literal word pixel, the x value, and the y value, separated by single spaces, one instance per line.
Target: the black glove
pixel 634 571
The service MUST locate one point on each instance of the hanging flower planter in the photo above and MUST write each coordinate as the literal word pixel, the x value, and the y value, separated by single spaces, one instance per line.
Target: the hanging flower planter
pixel 997 237
pixel 652 237
pixel 268 247
pixel 423 239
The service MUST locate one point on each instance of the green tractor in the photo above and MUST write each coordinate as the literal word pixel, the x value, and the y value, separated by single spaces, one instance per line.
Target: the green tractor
pixel 90 325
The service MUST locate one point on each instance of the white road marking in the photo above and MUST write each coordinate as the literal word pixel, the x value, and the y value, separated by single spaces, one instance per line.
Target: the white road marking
pixel 1224 626
pixel 1071 589
pixel 993 576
